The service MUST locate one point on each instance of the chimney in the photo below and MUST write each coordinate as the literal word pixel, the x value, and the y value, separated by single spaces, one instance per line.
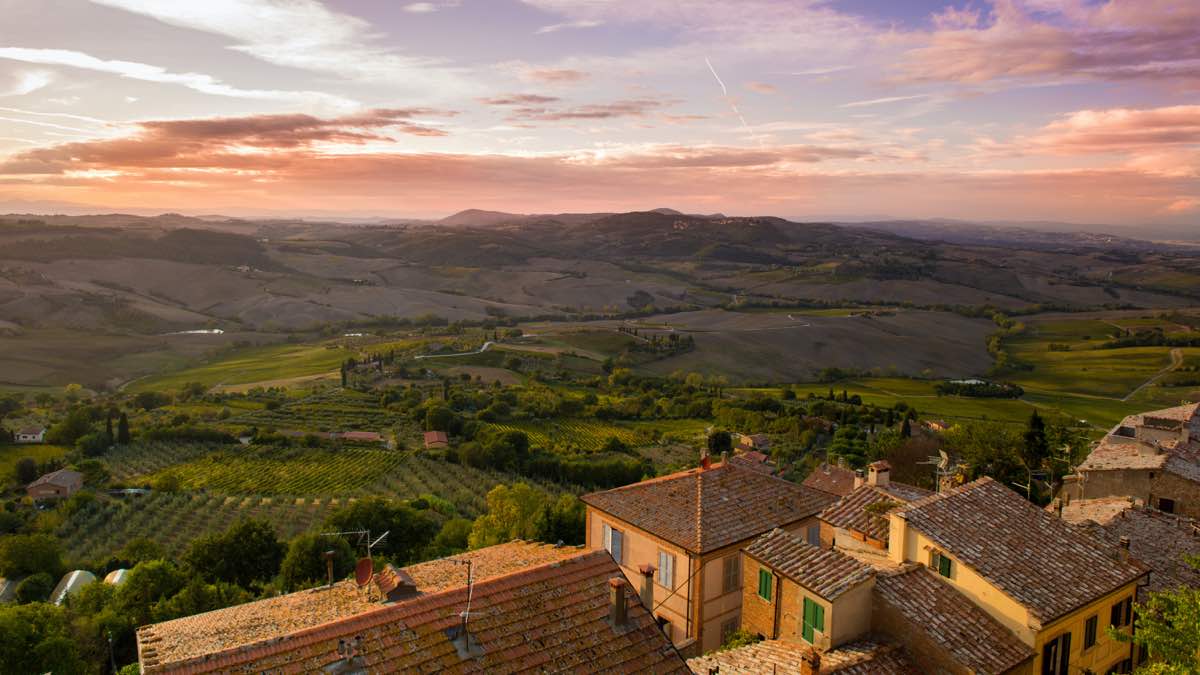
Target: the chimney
pixel 724 456
pixel 879 473
pixel 647 592
pixel 1123 551
pixel 705 462
pixel 618 609
pixel 858 478
pixel 810 662
pixel 329 565
pixel 841 462
pixel 1057 505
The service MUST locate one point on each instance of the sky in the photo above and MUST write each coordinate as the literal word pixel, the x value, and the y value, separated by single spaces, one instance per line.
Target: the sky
pixel 1017 110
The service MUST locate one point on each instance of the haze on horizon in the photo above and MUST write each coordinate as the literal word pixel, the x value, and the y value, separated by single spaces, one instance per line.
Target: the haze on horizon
pixel 1069 110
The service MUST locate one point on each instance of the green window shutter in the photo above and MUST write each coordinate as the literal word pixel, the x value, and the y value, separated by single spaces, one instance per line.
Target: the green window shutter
pixel 813 620
pixel 764 585
pixel 944 566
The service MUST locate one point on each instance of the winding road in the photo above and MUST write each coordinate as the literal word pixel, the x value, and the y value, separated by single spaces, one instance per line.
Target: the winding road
pixel 1176 361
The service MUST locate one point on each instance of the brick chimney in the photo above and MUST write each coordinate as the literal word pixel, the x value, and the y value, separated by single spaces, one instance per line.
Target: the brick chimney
pixel 705 462
pixel 859 479
pixel 329 565
pixel 618 608
pixel 879 473
pixel 647 590
pixel 1123 549
pixel 810 662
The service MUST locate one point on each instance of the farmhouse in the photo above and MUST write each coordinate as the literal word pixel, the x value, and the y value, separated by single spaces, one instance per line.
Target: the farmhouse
pixel 57 485
pixel 30 435
pixel 533 607
pixel 436 439
pixel 681 535
pixel 1153 457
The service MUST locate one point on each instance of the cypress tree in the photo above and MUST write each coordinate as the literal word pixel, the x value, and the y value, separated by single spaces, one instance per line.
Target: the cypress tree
pixel 123 429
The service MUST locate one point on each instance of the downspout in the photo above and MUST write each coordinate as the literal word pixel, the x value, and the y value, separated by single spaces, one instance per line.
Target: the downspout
pixel 778 606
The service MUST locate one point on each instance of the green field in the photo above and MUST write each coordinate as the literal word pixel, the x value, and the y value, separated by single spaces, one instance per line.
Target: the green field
pixel 253 364
pixel 11 454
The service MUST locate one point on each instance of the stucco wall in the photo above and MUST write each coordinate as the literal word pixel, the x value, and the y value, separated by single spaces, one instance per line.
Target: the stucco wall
pixel 1186 493
pixel 1106 651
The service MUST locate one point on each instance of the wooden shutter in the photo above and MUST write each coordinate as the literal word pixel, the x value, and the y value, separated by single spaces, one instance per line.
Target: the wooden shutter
pixel 764 584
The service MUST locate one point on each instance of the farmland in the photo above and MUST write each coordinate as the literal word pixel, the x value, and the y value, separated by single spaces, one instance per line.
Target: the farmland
pixel 584 435
pixel 253 364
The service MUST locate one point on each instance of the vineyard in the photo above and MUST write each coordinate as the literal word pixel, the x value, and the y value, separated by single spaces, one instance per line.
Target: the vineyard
pixel 585 435
pixel 102 528
pixel 308 472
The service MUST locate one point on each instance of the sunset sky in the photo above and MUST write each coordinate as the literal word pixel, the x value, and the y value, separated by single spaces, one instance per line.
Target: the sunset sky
pixel 1068 110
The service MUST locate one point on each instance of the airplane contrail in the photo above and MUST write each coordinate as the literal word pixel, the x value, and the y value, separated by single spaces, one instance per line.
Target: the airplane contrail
pixel 725 92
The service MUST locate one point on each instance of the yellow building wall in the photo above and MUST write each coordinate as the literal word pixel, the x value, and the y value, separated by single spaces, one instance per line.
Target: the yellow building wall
pixel 711 607
pixel 1106 651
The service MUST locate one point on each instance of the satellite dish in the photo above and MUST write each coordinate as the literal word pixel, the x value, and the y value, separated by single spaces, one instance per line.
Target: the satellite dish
pixel 363 571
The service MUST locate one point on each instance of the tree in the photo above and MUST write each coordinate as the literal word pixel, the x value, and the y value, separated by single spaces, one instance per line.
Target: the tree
pixel 123 437
pixel 719 441
pixel 76 424
pixel 35 588
pixel 197 597
pixel 22 554
pixel 26 470
pixel 93 444
pixel 409 530
pixel 95 472
pixel 108 428
pixel 517 512
pixel 304 564
pixel 454 537
pixel 36 638
pixel 1034 450
pixel 246 553
pixel 1168 626
pixel 142 549
pixel 906 429
pixel 147 584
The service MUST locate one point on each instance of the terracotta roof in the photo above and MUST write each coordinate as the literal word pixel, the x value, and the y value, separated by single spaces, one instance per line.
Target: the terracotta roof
pixel 832 479
pixel 214 631
pixel 852 513
pixel 754 460
pixel 936 610
pixel 776 657
pixel 827 573
pixel 61 478
pixel 1035 558
pixel 1161 540
pixel 1117 450
pixel 703 510
pixel 554 617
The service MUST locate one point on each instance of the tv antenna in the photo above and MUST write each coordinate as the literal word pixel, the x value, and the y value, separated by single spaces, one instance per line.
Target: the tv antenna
pixel 942 468
pixel 464 642
pixel 364 536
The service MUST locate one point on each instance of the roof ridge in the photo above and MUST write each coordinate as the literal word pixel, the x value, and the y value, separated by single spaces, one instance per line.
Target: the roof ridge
pixel 700 510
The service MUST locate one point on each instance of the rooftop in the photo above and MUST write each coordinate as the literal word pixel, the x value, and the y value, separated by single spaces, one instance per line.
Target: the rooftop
pixel 824 572
pixel 1161 540
pixel 951 621
pixel 832 479
pixel 1035 558
pixel 62 478
pixel 210 632
pixel 703 510
pixel 554 616
pixel 1126 447
pixel 772 657
pixel 865 509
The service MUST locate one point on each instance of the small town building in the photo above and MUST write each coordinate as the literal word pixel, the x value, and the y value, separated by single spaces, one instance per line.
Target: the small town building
pixel 436 439
pixel 533 608
pixel 749 442
pixel 859 521
pixel 1153 457
pixel 777 657
pixel 70 584
pixel 682 534
pixel 30 435
pixel 56 485
pixel 834 479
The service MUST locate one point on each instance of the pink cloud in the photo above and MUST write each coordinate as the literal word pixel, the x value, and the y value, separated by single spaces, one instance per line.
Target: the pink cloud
pixel 762 87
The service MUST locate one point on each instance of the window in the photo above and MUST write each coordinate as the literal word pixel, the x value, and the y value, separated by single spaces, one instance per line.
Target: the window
pixel 814 535
pixel 1056 655
pixel 1125 666
pixel 1122 613
pixel 764 584
pixel 941 563
pixel 1166 505
pixel 666 569
pixel 613 542
pixel 731 572
pixel 1089 631
pixel 814 620
pixel 729 628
